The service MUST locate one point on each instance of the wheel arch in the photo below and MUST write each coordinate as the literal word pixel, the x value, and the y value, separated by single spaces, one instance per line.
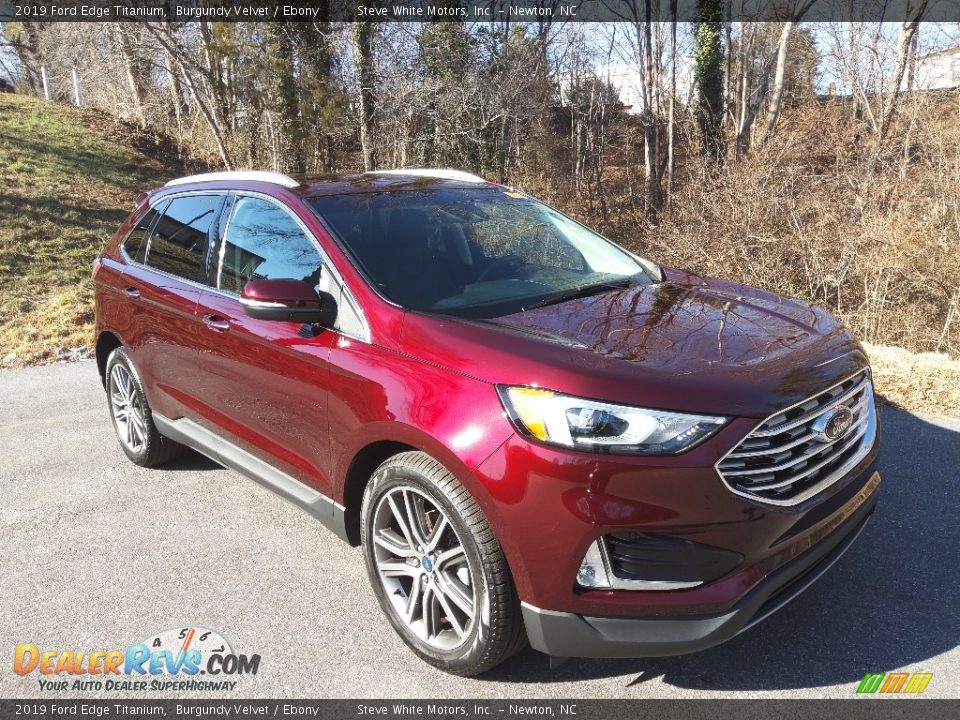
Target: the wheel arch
pixel 358 474
pixel 107 342
pixel 405 439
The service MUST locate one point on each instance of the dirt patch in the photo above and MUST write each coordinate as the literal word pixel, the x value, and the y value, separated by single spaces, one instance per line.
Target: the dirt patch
pixel 154 145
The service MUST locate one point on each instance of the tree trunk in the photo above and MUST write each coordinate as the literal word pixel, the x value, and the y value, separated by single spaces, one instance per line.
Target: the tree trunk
pixel 176 90
pixel 173 78
pixel 751 106
pixel 673 94
pixel 729 99
pixel 708 76
pixel 643 30
pixel 362 35
pixel 776 97
pixel 26 47
pixel 779 76
pixel 132 72
pixel 741 90
pixel 173 82
pixel 214 74
pixel 907 31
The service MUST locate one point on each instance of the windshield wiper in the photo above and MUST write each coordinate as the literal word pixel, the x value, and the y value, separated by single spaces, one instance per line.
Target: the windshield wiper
pixel 580 292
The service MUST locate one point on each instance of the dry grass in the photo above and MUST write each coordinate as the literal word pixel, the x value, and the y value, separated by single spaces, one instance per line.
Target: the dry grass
pixel 808 217
pixel 920 382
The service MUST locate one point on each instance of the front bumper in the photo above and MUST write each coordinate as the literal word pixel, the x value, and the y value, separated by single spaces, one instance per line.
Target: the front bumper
pixel 565 634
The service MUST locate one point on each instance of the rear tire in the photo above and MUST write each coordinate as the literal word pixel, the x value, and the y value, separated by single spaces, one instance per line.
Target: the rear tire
pixel 436 567
pixel 132 417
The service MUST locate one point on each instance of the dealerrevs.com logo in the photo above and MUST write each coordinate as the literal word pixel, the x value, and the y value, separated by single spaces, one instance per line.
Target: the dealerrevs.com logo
pixel 188 659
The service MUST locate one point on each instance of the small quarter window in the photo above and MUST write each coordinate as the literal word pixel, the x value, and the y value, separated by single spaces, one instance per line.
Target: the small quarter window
pixel 179 240
pixel 135 246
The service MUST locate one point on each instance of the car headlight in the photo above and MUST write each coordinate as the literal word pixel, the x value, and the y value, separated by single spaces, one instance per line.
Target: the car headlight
pixel 593 426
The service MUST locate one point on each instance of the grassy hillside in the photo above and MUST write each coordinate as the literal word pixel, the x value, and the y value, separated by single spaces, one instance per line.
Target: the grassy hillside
pixel 67 179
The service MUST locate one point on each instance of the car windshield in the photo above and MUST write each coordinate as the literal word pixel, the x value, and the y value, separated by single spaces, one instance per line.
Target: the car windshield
pixel 478 253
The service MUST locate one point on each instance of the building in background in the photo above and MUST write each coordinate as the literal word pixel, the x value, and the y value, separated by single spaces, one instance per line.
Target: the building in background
pixel 938 70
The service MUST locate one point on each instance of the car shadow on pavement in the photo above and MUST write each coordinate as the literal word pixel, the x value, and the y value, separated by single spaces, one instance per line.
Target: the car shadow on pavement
pixel 192 461
pixel 889 602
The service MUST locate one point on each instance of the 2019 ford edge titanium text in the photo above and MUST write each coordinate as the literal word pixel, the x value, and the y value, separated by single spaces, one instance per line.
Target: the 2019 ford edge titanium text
pixel 532 433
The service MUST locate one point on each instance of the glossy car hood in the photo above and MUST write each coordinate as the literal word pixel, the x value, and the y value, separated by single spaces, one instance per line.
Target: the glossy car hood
pixel 686 324
pixel 687 343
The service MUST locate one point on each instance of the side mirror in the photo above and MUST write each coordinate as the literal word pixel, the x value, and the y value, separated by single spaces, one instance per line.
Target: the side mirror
pixel 289 301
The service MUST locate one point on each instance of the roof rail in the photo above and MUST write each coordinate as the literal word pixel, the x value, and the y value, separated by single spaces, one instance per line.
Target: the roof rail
pixel 442 173
pixel 226 175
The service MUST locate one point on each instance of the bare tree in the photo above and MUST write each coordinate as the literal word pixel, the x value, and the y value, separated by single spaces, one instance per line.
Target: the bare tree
pixel 776 96
pixel 750 103
pixel 671 134
pixel 190 71
pixel 640 16
pixel 132 69
pixel 908 30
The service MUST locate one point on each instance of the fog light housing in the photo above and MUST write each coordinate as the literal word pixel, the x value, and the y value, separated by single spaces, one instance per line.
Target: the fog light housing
pixel 642 561
pixel 593 569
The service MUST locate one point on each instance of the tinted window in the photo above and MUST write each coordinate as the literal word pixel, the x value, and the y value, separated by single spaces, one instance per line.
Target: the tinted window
pixel 179 240
pixel 136 243
pixel 264 242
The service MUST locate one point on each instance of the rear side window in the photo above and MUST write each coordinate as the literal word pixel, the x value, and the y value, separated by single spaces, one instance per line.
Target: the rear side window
pixel 179 240
pixel 135 246
pixel 264 242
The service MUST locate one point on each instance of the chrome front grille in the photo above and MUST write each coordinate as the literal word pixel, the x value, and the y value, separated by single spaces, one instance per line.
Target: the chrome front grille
pixel 787 459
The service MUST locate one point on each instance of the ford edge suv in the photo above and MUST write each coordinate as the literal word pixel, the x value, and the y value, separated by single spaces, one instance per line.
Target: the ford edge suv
pixel 533 434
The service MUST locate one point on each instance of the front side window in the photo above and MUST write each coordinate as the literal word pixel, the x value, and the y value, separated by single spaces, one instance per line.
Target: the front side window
pixel 264 242
pixel 179 240
pixel 474 252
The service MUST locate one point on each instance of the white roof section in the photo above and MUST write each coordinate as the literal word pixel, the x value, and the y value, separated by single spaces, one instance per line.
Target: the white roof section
pixel 938 70
pixel 442 173
pixel 235 175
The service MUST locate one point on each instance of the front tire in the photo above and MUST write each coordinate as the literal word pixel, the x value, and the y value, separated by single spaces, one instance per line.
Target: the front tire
pixel 132 417
pixel 436 567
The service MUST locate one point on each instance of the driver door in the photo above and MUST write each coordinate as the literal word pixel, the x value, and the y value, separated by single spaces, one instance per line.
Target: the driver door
pixel 265 383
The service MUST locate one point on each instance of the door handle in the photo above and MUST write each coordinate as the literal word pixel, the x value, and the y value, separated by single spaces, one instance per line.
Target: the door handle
pixel 216 323
pixel 131 292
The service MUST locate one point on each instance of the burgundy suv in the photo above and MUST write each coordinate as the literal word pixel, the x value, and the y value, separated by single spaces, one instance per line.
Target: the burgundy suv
pixel 532 433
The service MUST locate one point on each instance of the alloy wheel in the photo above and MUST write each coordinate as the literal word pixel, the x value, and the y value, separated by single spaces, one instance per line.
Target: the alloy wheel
pixel 424 569
pixel 128 410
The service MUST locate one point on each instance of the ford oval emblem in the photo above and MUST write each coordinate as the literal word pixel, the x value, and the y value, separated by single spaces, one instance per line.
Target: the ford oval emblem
pixel 833 424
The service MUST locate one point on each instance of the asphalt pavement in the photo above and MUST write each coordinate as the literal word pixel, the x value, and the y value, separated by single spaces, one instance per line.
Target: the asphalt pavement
pixel 96 553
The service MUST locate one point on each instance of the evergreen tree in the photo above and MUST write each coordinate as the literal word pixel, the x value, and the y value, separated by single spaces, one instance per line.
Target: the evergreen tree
pixel 708 76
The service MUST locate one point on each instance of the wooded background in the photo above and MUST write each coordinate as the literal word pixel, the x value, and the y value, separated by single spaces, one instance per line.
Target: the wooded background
pixel 817 160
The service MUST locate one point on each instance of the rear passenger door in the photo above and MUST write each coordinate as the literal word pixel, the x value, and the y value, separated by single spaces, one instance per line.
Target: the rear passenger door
pixel 265 383
pixel 168 266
